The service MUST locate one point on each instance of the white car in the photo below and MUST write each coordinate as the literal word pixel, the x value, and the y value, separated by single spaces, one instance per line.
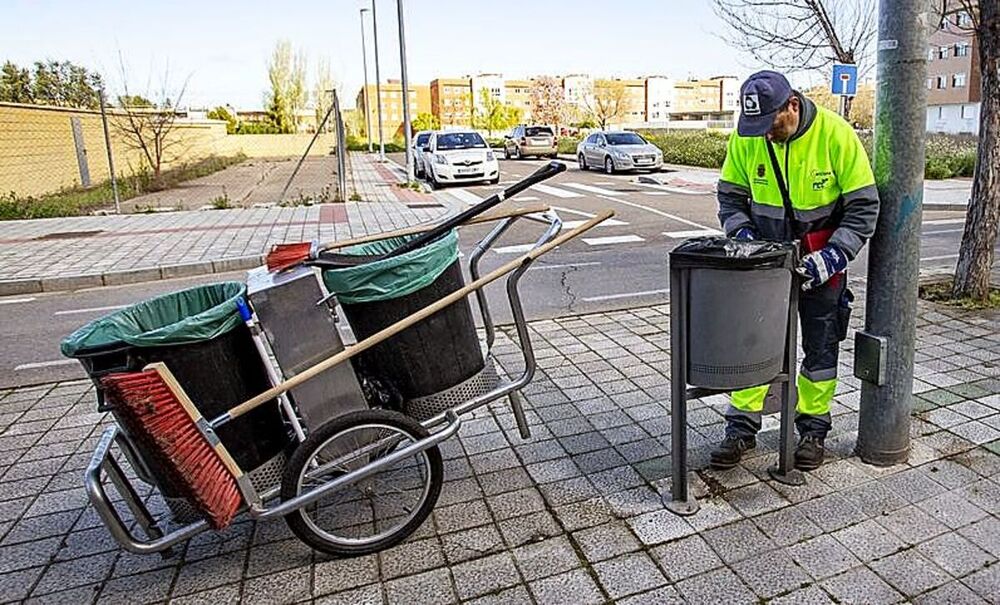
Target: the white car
pixel 419 142
pixel 454 156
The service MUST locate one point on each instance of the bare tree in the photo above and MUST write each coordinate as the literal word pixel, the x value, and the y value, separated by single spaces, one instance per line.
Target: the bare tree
pixel 146 127
pixel 801 35
pixel 982 221
pixel 548 102
pixel 609 102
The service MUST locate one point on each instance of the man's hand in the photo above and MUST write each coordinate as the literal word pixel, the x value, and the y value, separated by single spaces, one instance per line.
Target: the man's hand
pixel 818 267
pixel 745 234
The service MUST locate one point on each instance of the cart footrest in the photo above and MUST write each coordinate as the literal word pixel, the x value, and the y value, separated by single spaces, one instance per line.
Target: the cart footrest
pixel 482 382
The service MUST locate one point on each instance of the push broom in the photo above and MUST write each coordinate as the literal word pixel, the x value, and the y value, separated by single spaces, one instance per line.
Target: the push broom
pixel 285 256
pixel 155 409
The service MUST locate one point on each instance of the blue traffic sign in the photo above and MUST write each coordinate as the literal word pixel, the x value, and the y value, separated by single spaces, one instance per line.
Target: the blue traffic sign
pixel 845 80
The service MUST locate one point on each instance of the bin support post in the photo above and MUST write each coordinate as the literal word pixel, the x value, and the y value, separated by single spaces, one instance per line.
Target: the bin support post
pixel 784 471
pixel 679 502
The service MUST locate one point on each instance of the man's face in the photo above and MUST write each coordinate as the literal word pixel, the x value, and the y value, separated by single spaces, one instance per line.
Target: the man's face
pixel 785 123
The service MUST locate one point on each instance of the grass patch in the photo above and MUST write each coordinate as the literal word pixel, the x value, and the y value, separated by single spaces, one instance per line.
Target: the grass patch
pixel 941 293
pixel 77 201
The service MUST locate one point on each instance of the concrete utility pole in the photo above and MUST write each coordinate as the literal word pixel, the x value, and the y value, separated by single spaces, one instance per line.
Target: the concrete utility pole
pixel 364 91
pixel 378 87
pixel 886 360
pixel 406 93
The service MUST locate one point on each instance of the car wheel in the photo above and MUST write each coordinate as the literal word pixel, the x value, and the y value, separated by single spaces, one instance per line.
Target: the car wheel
pixel 517 153
pixel 506 153
pixel 495 181
pixel 581 161
pixel 609 165
pixel 433 179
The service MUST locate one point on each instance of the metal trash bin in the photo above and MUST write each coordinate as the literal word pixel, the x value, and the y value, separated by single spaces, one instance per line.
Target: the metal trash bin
pixel 737 310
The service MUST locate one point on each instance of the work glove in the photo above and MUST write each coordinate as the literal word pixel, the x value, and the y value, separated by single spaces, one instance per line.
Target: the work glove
pixel 745 234
pixel 818 267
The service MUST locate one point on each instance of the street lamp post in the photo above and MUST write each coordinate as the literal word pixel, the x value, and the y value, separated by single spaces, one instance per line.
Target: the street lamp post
pixel 378 86
pixel 364 91
pixel 406 93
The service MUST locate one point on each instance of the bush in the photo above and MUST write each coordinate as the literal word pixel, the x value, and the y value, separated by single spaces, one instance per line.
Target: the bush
pixel 257 128
pixel 568 145
pixel 706 148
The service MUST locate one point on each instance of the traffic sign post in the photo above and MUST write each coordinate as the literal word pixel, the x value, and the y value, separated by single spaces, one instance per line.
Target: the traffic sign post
pixel 844 82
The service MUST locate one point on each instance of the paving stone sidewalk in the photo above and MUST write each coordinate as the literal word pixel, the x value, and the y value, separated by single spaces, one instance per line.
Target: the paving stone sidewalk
pixel 573 515
pixel 69 253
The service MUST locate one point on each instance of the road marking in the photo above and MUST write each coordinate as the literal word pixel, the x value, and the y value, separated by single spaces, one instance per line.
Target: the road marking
pixel 515 249
pixel 625 295
pixel 944 257
pixel 603 183
pixel 91 310
pixel 657 212
pixel 44 364
pixel 527 198
pixel 611 222
pixel 686 234
pixel 945 221
pixel 591 189
pixel 672 189
pixel 564 266
pixel 612 239
pixel 465 196
pixel 655 193
pixel 14 301
pixel 555 191
pixel 941 231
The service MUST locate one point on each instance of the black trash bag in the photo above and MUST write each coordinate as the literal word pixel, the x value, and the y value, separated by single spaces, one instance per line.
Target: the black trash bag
pixel 378 392
pixel 729 253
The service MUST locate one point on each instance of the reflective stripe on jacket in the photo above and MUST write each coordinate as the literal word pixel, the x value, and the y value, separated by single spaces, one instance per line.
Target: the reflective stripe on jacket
pixel 829 180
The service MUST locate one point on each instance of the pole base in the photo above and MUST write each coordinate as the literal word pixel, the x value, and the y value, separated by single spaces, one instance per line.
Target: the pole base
pixel 883 458
pixel 681 508
pixel 789 477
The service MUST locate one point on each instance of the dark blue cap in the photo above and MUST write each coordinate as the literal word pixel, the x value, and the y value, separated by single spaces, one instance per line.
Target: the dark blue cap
pixel 761 96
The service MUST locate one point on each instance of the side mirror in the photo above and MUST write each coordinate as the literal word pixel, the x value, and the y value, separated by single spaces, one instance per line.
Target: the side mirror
pixel 425 148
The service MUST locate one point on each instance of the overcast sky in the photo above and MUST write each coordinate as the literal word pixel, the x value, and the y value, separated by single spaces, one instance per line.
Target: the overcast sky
pixel 223 45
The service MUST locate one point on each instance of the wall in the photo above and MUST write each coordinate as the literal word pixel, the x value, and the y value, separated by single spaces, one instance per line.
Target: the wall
pixel 38 154
pixel 948 118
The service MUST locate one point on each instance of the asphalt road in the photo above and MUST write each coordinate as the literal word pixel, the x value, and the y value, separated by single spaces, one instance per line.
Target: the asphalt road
pixel 619 264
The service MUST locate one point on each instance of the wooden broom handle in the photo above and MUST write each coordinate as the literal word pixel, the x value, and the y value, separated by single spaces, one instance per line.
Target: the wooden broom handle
pixel 486 217
pixel 408 321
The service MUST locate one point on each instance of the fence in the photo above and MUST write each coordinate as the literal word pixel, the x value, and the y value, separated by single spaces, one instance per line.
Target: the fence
pixel 56 160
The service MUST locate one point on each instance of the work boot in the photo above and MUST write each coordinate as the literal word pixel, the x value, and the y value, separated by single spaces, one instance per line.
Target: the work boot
pixel 809 453
pixel 730 451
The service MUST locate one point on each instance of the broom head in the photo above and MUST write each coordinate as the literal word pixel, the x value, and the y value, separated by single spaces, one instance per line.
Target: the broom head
pixel 285 256
pixel 157 412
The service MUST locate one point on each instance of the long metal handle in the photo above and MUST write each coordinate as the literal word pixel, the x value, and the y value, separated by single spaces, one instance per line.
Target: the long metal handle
pixel 408 321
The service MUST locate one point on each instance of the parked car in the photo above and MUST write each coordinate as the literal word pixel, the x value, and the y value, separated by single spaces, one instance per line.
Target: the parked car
pixel 614 151
pixel 419 142
pixel 453 156
pixel 524 141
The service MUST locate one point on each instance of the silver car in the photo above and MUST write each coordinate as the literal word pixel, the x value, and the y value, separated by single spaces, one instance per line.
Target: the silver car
pixel 615 151
pixel 419 142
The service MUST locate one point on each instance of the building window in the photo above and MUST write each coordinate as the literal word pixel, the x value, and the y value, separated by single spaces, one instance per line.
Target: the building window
pixel 930 83
pixel 942 83
pixel 963 19
pixel 962 49
pixel 958 81
pixel 940 112
pixel 930 54
pixel 967 111
pixel 943 52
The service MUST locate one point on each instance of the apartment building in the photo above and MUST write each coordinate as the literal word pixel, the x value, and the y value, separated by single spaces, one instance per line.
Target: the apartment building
pixel 392 106
pixel 451 101
pixel 518 94
pixel 660 98
pixel 953 81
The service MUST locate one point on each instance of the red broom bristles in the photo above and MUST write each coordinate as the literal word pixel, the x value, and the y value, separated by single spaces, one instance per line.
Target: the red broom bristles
pixel 284 256
pixel 153 414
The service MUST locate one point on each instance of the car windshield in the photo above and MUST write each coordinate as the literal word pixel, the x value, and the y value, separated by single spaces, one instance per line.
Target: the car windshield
pixel 460 140
pixel 422 139
pixel 624 138
pixel 537 131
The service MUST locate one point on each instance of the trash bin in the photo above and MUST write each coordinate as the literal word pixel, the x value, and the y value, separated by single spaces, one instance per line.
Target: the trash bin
pixel 738 297
pixel 199 335
pixel 429 357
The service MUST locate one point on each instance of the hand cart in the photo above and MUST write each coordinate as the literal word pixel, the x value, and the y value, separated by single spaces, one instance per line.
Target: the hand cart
pixel 363 480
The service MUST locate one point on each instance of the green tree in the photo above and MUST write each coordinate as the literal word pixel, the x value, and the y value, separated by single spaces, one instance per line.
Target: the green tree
pixel 493 114
pixel 222 113
pixel 134 101
pixel 15 84
pixel 322 97
pixel 65 84
pixel 287 74
pixel 426 121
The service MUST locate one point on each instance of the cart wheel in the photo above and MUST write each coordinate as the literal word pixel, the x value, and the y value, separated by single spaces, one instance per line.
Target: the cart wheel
pixel 376 512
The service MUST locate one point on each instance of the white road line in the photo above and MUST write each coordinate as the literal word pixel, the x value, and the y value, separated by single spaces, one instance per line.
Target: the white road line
pixel 686 234
pixel 515 249
pixel 611 222
pixel 624 295
pixel 44 364
pixel 465 196
pixel 941 231
pixel 14 301
pixel 945 221
pixel 944 257
pixel 612 239
pixel 527 198
pixel 91 310
pixel 657 212
pixel 562 210
pixel 592 189
pixel 655 193
pixel 564 266
pixel 555 191
pixel 671 189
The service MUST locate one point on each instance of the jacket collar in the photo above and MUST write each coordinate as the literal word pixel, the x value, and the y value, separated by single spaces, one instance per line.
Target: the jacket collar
pixel 807 115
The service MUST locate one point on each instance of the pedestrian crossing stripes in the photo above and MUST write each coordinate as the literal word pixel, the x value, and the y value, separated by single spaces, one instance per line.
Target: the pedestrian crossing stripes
pixel 464 196
pixel 611 222
pixel 555 191
pixel 612 239
pixel 515 249
pixel 691 233
pixel 592 189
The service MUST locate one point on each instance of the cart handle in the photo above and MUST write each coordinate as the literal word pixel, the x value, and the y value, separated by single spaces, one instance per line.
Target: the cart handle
pixel 408 321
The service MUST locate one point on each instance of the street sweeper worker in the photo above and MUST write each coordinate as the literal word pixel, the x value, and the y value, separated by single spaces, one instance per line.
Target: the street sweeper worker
pixel 796 171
